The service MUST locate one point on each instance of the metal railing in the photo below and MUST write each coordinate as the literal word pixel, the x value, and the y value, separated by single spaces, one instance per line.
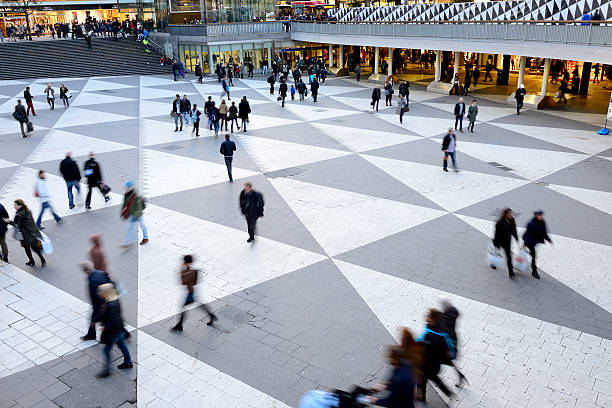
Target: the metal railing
pixel 597 33
pixel 229 29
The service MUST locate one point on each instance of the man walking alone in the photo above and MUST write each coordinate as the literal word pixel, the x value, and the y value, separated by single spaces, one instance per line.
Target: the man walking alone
pixel 45 199
pixel 93 172
pixel 72 176
pixel 227 149
pixel 252 206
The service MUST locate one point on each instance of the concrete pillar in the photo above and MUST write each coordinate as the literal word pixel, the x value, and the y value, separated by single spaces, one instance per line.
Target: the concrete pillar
pixel 545 77
pixel 390 62
pixel 331 55
pixel 269 57
pixel 241 56
pixel 376 57
pixel 341 56
pixel 456 67
pixel 438 69
pixel 521 71
pixel 211 63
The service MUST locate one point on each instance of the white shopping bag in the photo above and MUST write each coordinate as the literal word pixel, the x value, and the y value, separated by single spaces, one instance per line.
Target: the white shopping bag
pixel 47 246
pixel 494 257
pixel 522 261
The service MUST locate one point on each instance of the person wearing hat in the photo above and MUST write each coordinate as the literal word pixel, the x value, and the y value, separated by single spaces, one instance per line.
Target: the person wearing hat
pixel 535 234
pixel 519 95
pixel 131 211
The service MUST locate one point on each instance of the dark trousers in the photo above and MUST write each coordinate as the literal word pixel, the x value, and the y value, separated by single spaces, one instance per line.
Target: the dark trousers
pixel 358 77
pixel 88 198
pixel 375 104
pixel 445 162
pixel 455 89
pixel 388 100
pixel 28 252
pixel 3 245
pixel 228 164
pixel 519 105
pixel 196 127
pixel 508 252
pixel 459 120
pixel 471 125
pixel 401 114
pixel 283 100
pixel 272 89
pixel 189 300
pixel 65 101
pixel 314 96
pixel 532 251
pixel 51 103
pixel 487 75
pixel 251 221
pixel 466 87
pixel 436 380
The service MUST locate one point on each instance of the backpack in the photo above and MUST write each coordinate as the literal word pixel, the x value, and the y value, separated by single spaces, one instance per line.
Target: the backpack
pixel 214 115
pixel 452 352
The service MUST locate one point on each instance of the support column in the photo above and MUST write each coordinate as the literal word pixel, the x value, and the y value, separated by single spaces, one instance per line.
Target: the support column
pixel 390 62
pixel 331 55
pixel 211 62
pixel 341 56
pixel 241 55
pixel 456 67
pixel 376 57
pixel 269 57
pixel 438 68
pixel 545 77
pixel 521 71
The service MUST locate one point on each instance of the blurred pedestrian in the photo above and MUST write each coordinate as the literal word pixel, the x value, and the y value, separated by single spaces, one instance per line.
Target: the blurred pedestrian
pixel 448 323
pixel 42 192
pixel 437 348
pixel 252 207
pixel 21 116
pixel 95 279
pixel 505 229
pixel 131 211
pixel 26 232
pixel 400 387
pixel 114 331
pixel 244 109
pixel 535 234
pixel 3 228
pixel 93 172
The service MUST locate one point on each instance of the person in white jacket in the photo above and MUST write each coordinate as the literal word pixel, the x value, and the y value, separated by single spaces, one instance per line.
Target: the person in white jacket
pixel 45 199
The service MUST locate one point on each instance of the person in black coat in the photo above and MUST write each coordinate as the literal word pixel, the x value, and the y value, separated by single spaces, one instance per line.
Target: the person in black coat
pixel 93 172
pixel 114 330
pixel 400 386
pixel 375 98
pixel 519 95
pixel 505 229
pixel 448 322
pixel 436 353
pixel 301 88
pixel 243 112
pixel 282 90
pixel 252 206
pixel 271 80
pixel 72 176
pixel 314 89
pixel 3 228
pixel 535 234
pixel 29 101
pixel 30 235
pixel 459 112
pixel 227 149
pixel 95 279
pixel 21 116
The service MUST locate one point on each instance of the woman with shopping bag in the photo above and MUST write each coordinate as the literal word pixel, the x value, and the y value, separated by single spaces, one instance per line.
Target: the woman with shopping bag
pixel 505 229
pixel 27 232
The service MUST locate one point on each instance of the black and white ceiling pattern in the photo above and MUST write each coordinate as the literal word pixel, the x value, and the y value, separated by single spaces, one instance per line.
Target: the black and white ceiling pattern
pixel 479 11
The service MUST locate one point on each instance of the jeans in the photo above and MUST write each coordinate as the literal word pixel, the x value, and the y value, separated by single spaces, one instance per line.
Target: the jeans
pixel 244 123
pixel 196 127
pixel 228 164
pixel 178 118
pixel 69 185
pixel 375 104
pixel 459 119
pixel 209 121
pixel 65 100
pixel 216 126
pixel 45 205
pixel 129 235
pixel 51 103
pixel 186 117
pixel 508 252
pixel 358 77
pixel 452 155
pixel 175 74
pixel 519 105
pixel 471 125
pixel 232 122
pixel 265 69
pixel 120 341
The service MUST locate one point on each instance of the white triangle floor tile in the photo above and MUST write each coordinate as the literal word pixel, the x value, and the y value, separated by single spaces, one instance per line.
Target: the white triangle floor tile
pixel 228 263
pixel 215 89
pixel 596 119
pixel 326 212
pixel 165 173
pixel 23 183
pixel 8 126
pixel 485 113
pixel 78 116
pixel 193 383
pixel 257 122
pixel 8 107
pixel 532 164
pixel 580 140
pixel 88 98
pixel 5 164
pixel 155 93
pixel 451 191
pixel 271 155
pixel 152 108
pixel 96 85
pixel 420 125
pixel 57 142
pixel 600 200
pixel 359 104
pixel 361 140
pixel 313 112
pixel 147 80
pixel 330 90
pixel 154 132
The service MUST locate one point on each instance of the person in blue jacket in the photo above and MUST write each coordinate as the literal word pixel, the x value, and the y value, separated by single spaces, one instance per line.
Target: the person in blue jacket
pixel 400 387
pixel 535 234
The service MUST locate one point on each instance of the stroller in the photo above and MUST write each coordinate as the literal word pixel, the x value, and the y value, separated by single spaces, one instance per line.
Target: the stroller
pixel 335 399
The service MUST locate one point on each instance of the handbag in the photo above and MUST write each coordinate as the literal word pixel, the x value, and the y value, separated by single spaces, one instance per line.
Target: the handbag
pixel 47 246
pixel 104 188
pixel 172 114
pixel 17 234
pixel 30 126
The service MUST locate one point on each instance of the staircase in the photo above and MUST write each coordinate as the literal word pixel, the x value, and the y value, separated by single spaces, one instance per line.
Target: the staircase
pixel 71 58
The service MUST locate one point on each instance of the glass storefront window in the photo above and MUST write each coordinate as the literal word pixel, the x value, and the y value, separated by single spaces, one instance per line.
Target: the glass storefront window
pixel 258 53
pixel 181 53
pixel 236 52
pixel 205 60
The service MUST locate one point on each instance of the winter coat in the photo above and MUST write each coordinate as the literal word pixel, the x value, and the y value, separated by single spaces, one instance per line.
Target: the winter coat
pixel 70 170
pixel 505 229
pixel 472 113
pixel 3 224
pixel 283 89
pixel 223 109
pixel 27 96
pixel 227 148
pixel 536 233
pixel 448 321
pixel 400 388
pixel 458 109
pixel 314 87
pixel 244 109
pixel 376 94
pixel 251 204
pixel 185 105
pixel 96 253
pixel 233 112
pixel 93 172
pixel 20 113
pixel 519 95
pixel 111 318
pixel 135 208
pixel 25 222
pixel 446 141
pixel 301 87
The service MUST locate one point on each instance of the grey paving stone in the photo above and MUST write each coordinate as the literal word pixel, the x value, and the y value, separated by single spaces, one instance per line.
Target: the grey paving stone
pixel 592 173
pixel 55 390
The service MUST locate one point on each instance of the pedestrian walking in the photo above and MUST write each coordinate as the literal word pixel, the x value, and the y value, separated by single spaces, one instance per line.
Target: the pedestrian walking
pixel 189 278
pixel 449 144
pixel 207 105
pixel 185 107
pixel 29 101
pixel 488 69
pixel 175 69
pixel 519 95
pixel 26 232
pixel 176 113
pixel 505 229
pixel 292 92
pixel 21 116
pixel 243 113
pixel 227 149
pixel 226 89
pixel 282 90
pixel 72 176
pixel 459 112
pixel 358 72
pixel 476 75
pixel 114 329
pixel 42 192
pixel 301 88
pixel 314 89
pixel 131 211
pixel 95 279
pixel 535 234
pixel 93 172
pixel 400 386
pixel 271 79
pixel 388 93
pixel 3 228
pixel 375 97
pixel 437 348
pixel 64 95
pixel 198 72
pixel 88 41
pixel 472 113
pixel 448 323
pixel 401 107
pixel 415 353
pixel 467 82
pixel 214 118
pixel 195 119
pixel 50 92
pixel 97 255
pixel 252 207
pixel 233 116
pixel 223 109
